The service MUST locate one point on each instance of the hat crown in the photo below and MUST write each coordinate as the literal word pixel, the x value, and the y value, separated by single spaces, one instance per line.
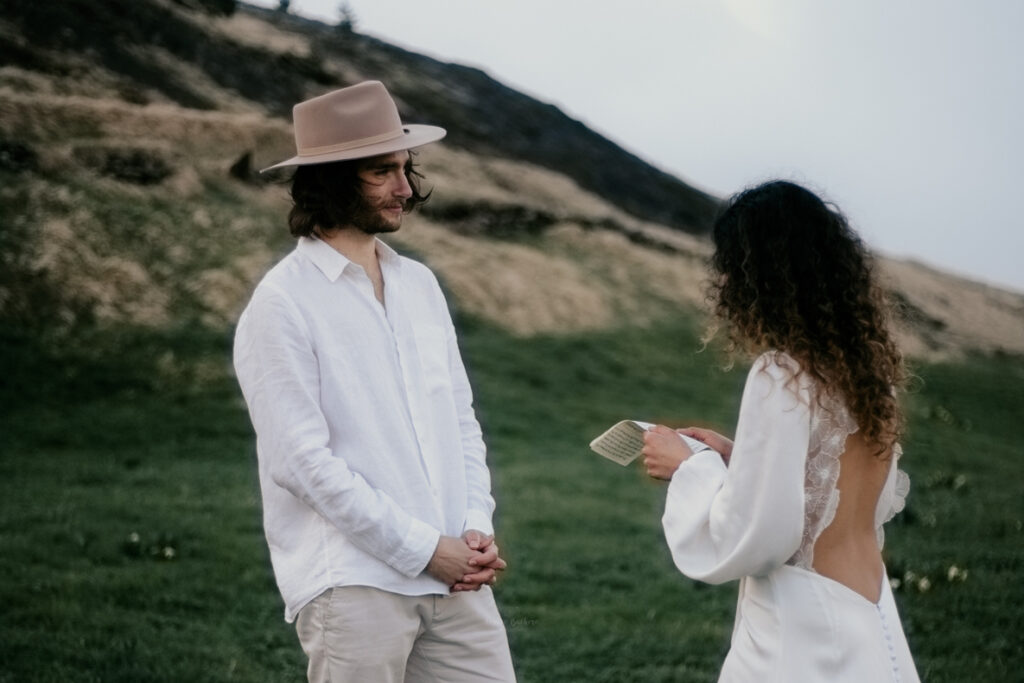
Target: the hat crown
pixel 356 122
pixel 352 117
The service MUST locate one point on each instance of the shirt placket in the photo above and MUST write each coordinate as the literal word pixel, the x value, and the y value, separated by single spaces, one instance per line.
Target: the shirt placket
pixel 388 321
pixel 409 364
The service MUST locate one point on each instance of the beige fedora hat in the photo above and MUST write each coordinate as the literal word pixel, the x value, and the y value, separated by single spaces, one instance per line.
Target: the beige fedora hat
pixel 352 123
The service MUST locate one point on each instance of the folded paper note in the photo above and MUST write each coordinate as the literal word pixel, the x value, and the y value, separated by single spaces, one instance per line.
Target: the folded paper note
pixel 625 440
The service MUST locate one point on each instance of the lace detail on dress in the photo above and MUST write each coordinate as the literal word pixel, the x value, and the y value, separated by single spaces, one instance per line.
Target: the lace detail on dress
pixel 831 424
pixel 893 498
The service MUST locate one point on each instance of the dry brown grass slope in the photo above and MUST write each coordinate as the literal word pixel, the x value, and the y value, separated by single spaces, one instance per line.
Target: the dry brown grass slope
pixel 517 244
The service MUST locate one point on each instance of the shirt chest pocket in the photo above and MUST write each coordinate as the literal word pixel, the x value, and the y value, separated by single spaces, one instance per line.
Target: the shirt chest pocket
pixel 432 349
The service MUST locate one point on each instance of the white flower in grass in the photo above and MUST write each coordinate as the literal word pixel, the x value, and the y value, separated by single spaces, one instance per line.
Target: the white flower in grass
pixel 955 573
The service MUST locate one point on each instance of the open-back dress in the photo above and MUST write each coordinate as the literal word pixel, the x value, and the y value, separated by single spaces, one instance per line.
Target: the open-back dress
pixel 757 520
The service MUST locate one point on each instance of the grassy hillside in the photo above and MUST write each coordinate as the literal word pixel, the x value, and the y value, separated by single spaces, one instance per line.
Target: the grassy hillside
pixel 131 546
pixel 129 195
pixel 266 61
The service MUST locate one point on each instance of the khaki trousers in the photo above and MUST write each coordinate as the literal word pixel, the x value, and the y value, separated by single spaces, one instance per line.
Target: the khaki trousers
pixel 365 635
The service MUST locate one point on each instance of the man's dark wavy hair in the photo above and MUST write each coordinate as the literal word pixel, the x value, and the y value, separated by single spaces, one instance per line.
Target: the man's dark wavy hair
pixel 325 196
pixel 789 274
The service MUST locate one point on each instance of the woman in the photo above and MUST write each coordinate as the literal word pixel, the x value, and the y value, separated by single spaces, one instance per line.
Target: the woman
pixel 795 505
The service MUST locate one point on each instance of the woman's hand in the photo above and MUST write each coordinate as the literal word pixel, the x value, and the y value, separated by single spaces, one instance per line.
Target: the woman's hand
pixel 663 452
pixel 713 439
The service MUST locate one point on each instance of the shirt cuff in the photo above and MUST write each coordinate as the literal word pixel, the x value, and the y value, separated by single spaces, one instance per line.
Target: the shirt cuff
pixel 417 549
pixel 479 520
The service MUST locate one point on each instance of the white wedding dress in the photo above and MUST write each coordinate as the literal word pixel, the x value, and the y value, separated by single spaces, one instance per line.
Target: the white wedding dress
pixel 757 520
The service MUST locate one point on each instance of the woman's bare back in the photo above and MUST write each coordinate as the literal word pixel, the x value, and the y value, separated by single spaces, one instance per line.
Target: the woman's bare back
pixel 847 550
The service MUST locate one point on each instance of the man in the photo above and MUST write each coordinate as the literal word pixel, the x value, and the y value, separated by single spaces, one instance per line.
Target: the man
pixel 376 494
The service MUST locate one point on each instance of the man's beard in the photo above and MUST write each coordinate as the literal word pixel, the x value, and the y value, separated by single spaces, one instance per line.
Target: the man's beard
pixel 368 218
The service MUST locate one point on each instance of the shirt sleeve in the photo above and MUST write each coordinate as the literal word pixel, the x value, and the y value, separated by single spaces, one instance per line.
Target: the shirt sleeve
pixel 278 371
pixel 479 501
pixel 724 523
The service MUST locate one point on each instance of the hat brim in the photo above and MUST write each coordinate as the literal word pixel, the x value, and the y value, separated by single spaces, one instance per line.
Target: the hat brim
pixel 415 135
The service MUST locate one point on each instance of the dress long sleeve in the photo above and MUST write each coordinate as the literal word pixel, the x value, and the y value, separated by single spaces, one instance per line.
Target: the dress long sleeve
pixel 724 523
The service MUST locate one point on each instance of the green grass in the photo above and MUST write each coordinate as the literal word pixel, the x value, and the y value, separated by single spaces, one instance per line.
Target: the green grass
pixel 131 546
pixel 965 511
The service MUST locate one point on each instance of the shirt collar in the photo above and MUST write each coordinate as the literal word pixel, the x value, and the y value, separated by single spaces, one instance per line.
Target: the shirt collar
pixel 387 255
pixel 332 263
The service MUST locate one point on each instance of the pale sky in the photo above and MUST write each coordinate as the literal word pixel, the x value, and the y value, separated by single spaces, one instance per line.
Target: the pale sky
pixel 909 114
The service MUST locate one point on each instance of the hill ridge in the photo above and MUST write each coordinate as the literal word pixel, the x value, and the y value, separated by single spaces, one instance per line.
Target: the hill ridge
pixel 133 205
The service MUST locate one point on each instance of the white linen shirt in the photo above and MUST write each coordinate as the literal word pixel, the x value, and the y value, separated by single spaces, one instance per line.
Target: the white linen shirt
pixel 367 442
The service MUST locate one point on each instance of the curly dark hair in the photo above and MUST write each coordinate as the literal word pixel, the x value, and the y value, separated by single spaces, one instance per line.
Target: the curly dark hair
pixel 325 196
pixel 789 274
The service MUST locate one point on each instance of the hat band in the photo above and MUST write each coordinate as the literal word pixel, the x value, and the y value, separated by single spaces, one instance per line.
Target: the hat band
pixel 353 144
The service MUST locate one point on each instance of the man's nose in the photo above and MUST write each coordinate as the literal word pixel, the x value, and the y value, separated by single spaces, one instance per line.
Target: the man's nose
pixel 403 189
